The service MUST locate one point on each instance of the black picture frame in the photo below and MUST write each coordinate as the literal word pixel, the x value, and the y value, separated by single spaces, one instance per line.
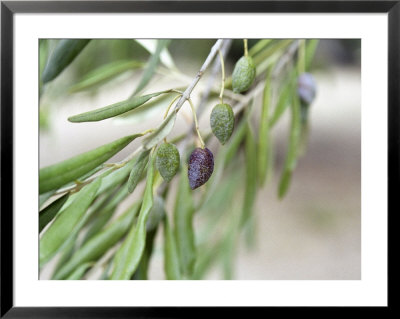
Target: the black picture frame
pixel 9 8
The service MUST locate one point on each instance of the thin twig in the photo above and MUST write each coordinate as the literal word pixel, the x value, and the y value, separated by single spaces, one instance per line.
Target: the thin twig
pixel 247 98
pixel 221 94
pixel 211 80
pixel 207 62
pixel 287 56
pixel 209 87
pixel 78 186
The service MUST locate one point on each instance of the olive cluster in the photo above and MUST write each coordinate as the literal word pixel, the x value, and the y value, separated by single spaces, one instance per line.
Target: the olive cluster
pixel 222 119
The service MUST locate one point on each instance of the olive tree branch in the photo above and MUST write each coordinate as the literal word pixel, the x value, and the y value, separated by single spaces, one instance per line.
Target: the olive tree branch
pixel 183 98
pixel 186 94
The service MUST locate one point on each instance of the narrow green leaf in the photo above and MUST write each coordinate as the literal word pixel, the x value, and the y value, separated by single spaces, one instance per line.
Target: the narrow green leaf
pixel 81 179
pixel 156 214
pixel 206 259
pixel 64 53
pixel 304 133
pixel 171 258
pixel 163 130
pixel 311 47
pixel 128 256
pixel 151 46
pixel 292 152
pixel 64 254
pixel 183 222
pixel 149 110
pixel 151 65
pixel 224 157
pixel 105 214
pixel 43 55
pixel 283 103
pixel 100 201
pixel 137 170
pixel 91 173
pixel 264 136
pixel 142 269
pixel 66 221
pixel 47 214
pixel 114 109
pixel 250 232
pixel 287 89
pixel 71 244
pixel 259 46
pixel 216 202
pixel 57 175
pixel 106 273
pixel 301 57
pixel 271 161
pixel 235 141
pixel 100 243
pixel 228 245
pixel 295 130
pixel 44 197
pixel 105 73
pixel 116 177
pixel 271 50
pixel 80 271
pixel 251 175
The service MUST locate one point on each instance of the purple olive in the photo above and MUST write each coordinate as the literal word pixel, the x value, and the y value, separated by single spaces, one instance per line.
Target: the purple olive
pixel 201 166
pixel 306 88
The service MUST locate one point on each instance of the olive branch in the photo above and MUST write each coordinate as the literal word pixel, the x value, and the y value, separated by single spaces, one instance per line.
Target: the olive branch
pixel 79 196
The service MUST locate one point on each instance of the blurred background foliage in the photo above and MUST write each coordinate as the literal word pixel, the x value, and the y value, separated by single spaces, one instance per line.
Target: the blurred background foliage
pixel 345 52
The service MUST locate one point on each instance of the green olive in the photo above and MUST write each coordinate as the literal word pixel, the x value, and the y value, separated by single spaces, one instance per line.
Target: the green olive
pixel 243 74
pixel 167 161
pixel 222 121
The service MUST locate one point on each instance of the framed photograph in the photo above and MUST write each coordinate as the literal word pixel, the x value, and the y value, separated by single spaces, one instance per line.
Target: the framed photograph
pixel 165 157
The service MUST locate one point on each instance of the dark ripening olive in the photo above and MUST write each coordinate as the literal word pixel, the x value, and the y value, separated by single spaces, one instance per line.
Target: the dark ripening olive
pixel 222 120
pixel 306 88
pixel 167 161
pixel 243 74
pixel 201 166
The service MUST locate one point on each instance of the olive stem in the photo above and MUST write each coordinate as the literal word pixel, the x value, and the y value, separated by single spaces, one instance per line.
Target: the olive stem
pixel 150 130
pixel 79 184
pixel 246 51
pixel 196 123
pixel 221 94
pixel 186 95
pixel 170 104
